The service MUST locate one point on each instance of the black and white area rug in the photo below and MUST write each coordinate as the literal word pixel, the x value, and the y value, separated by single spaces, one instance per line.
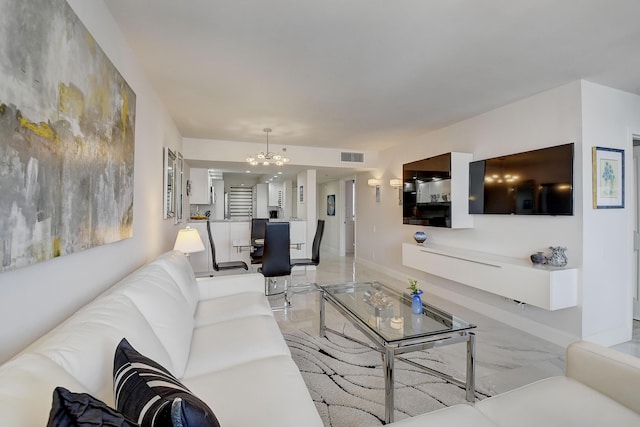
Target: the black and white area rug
pixel 346 380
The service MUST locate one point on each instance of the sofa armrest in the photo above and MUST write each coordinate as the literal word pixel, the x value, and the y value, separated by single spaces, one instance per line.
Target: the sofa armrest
pixel 608 371
pixel 219 286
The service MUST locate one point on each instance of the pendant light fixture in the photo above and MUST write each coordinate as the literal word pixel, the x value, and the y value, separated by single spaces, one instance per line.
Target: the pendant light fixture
pixel 268 157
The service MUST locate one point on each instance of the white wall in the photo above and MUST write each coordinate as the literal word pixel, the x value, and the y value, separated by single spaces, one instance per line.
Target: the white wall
pixel 36 298
pixel 546 119
pixel 608 118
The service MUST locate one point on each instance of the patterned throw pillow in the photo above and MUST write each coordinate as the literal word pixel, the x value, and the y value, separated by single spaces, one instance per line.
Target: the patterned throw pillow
pixel 148 394
pixel 82 410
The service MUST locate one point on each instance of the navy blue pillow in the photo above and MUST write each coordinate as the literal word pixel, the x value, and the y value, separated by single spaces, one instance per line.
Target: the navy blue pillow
pixel 148 394
pixel 82 410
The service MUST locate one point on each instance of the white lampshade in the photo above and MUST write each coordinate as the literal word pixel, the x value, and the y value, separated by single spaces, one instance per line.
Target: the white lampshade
pixel 188 241
pixel 374 182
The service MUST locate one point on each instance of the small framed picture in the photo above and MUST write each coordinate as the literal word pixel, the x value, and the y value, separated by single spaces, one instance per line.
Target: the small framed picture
pixel 331 205
pixel 608 178
pixel 301 194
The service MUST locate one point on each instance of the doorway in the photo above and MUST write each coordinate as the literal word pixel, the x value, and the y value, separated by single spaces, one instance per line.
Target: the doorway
pixel 636 230
pixel 349 217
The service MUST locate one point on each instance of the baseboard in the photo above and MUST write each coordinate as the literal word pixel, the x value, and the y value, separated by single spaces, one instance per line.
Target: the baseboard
pixel 537 329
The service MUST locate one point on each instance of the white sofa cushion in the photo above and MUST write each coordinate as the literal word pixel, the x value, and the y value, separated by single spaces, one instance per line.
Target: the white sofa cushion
pixel 235 342
pixel 231 307
pixel 214 287
pixel 180 270
pixel 158 298
pixel 265 392
pixel 84 345
pixel 26 389
pixel 556 402
pixel 453 416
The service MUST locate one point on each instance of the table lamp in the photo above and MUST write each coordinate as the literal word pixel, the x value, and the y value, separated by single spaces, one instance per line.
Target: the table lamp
pixel 188 241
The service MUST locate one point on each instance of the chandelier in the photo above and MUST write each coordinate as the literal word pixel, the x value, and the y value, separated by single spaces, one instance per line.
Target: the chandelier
pixel 268 157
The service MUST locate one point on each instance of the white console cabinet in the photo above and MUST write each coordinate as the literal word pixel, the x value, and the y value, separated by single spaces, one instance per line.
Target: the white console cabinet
pixel 541 286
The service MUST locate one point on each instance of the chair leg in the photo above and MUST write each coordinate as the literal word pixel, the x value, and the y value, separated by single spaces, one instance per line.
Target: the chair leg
pixel 285 291
pixel 287 298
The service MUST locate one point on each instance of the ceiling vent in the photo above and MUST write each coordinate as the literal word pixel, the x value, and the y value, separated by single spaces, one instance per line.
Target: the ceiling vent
pixel 352 157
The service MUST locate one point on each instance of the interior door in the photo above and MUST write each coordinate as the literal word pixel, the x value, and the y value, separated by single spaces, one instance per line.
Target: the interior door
pixel 349 217
pixel 636 231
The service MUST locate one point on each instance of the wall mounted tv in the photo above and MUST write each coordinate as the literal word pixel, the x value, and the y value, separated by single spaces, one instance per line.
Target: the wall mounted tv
pixel 538 182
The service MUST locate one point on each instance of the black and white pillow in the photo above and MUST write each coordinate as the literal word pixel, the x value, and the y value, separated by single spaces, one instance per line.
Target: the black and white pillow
pixel 148 394
pixel 70 409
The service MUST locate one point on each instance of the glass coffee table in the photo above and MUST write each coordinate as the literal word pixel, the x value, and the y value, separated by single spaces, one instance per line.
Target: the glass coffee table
pixel 384 315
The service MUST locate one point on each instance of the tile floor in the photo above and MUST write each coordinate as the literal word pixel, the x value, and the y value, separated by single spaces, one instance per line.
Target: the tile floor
pixel 506 357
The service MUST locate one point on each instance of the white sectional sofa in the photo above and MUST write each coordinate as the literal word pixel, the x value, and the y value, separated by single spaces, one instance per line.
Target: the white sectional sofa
pixel 601 387
pixel 216 335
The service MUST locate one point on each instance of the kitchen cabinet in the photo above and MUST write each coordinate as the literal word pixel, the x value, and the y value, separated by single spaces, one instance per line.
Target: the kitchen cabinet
pixel 260 201
pixel 201 261
pixel 224 233
pixel 201 189
pixel 276 194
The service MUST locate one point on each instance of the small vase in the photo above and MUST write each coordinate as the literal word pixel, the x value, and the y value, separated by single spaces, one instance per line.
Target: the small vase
pixel 420 237
pixel 538 258
pixel 416 303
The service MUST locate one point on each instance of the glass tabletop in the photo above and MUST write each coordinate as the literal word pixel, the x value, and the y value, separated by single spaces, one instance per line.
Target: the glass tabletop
pixel 387 312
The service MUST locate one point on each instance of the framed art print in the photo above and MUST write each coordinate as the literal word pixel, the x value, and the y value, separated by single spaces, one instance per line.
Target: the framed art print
pixel 608 178
pixel 331 205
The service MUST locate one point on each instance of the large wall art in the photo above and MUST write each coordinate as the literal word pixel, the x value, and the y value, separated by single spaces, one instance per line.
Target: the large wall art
pixel 67 121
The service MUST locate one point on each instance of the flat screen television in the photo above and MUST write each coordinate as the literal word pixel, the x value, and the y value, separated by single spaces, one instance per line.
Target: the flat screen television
pixel 538 182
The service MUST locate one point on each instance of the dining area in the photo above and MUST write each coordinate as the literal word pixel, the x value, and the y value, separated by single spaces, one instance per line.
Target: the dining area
pixel 272 248
pixel 244 241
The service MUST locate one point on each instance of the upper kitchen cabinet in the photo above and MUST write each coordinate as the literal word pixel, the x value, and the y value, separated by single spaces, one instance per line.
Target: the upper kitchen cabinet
pixel 201 189
pixel 260 200
pixel 276 194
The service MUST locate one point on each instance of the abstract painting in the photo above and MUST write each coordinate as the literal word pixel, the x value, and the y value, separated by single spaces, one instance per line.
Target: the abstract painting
pixel 67 122
pixel 331 205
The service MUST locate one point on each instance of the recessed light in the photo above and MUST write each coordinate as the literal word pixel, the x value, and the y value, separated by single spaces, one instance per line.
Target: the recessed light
pixel 280 173
pixel 248 171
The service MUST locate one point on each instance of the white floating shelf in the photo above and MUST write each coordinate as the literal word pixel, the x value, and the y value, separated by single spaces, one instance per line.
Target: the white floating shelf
pixel 546 287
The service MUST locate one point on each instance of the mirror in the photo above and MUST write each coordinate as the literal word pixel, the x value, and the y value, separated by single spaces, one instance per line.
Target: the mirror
pixel 179 176
pixel 169 183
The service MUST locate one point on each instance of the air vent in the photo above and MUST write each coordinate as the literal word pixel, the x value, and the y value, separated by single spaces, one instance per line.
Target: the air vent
pixel 352 157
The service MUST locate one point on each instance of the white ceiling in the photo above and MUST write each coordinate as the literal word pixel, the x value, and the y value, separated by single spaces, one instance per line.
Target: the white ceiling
pixel 368 74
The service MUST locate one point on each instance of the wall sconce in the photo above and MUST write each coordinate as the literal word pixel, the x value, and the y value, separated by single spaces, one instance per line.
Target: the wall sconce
pixel 188 241
pixel 397 183
pixel 375 183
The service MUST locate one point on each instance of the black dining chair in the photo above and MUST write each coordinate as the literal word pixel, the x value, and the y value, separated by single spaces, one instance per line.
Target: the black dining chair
pixel 315 249
pixel 220 266
pixel 276 261
pixel 257 232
